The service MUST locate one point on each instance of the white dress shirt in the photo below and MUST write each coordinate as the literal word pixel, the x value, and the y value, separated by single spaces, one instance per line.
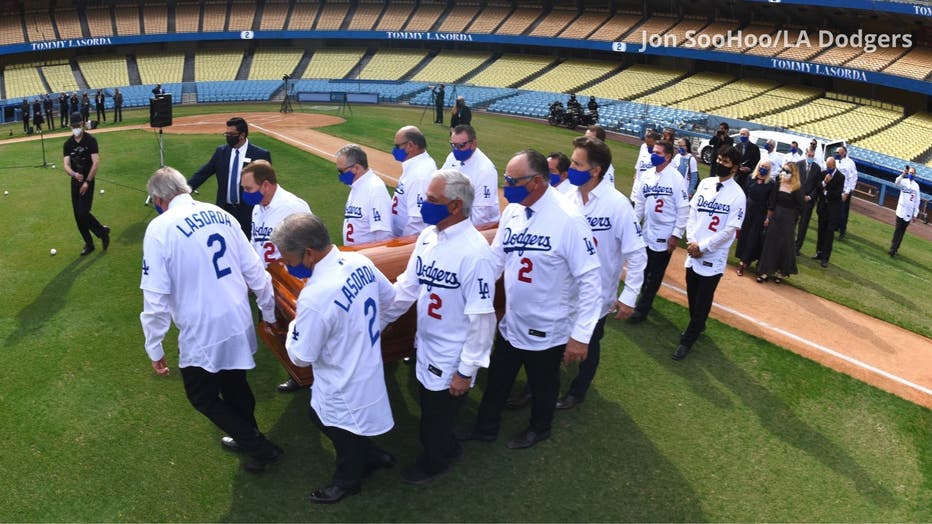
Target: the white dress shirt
pixel 847 168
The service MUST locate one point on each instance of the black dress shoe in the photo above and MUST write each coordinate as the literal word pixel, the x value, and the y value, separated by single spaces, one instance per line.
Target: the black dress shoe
pixel 331 494
pixel 519 400
pixel 569 401
pixel 470 433
pixel 87 249
pixel 527 439
pixel 681 352
pixel 105 237
pixel 258 463
pixel 230 444
pixel 384 461
pixel 816 257
pixel 416 476
pixel 637 318
pixel 824 263
pixel 289 386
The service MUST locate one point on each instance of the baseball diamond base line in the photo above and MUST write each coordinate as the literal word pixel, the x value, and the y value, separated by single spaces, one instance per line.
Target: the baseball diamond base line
pixel 866 348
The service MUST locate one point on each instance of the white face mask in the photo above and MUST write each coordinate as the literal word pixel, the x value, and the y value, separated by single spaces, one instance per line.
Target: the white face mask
pixel 76 131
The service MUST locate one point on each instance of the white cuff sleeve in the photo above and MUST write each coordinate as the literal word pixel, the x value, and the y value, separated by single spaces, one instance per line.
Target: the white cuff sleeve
pixel 478 347
pixel 155 319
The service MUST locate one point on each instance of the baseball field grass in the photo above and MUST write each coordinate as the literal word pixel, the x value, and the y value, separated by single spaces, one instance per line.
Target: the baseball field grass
pixel 741 431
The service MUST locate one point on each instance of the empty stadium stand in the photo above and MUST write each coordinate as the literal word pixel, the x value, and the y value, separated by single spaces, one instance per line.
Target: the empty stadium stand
pixel 236 91
pixel 216 65
pixel 489 18
pixel 554 23
pixel 242 15
pixel 101 72
pixel 772 101
pixel 474 96
pixel 459 17
pixel 270 63
pixel 908 139
pixel 570 75
pixel 449 66
pixel 424 17
pixel 801 52
pixel 99 21
pixel 634 81
pixel 585 25
pixel 816 110
pixel 689 87
pixel 616 26
pixel 853 125
pixel 390 64
pixel 678 32
pixel 519 21
pixel 735 92
pixel 837 55
pixel 126 18
pixel 915 64
pixel 60 77
pixel 655 25
pixel 160 68
pixel 155 21
pixel 303 15
pixel 332 63
pixel 395 16
pixel 390 92
pixel 274 15
pixel 758 31
pixel 365 16
pixel 11 30
pixel 509 70
pixel 39 26
pixel 187 18
pixel 214 18
pixel 22 80
pixel 331 16
pixel 69 26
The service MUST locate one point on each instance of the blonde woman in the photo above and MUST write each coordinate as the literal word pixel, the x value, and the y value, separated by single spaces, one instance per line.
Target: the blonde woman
pixel 786 203
pixel 751 236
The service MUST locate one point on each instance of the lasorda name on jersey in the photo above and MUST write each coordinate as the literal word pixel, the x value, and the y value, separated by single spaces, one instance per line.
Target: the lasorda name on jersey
pixel 355 283
pixel 712 207
pixel 653 191
pixel 433 276
pixel 600 223
pixel 524 241
pixel 203 219
pixel 352 212
pixel 261 234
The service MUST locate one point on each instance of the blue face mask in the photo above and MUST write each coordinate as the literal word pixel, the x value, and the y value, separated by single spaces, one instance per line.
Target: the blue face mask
pixel 461 155
pixel 516 194
pixel 347 177
pixel 400 154
pixel 809 161
pixel 657 160
pixel 909 176
pixel 744 138
pixel 837 156
pixel 555 179
pixel 682 150
pixel 768 147
pixel 252 199
pixel 158 208
pixel 433 214
pixel 299 271
pixel 579 178
pixel 763 170
pixel 793 150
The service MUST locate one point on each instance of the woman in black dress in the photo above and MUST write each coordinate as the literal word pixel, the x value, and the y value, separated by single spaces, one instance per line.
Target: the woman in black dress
pixel 786 203
pixel 751 236
pixel 460 114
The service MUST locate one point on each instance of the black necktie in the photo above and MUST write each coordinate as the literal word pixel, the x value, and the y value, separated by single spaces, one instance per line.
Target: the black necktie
pixel 718 187
pixel 528 211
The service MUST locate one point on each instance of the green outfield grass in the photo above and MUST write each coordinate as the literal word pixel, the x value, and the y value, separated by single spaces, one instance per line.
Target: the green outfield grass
pixel 741 431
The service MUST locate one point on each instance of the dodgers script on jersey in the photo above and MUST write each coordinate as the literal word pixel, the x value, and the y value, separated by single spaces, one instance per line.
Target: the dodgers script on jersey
pixel 266 218
pixel 368 211
pixel 336 329
pixel 550 264
pixel 662 205
pixel 450 274
pixel 410 194
pixel 197 259
pixel 618 241
pixel 715 216
pixel 484 177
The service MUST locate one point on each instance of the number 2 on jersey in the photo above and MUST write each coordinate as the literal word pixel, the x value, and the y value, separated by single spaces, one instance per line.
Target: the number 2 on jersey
pixel 526 267
pixel 349 232
pixel 268 252
pixel 373 320
pixel 659 207
pixel 214 239
pixel 435 304
pixel 713 224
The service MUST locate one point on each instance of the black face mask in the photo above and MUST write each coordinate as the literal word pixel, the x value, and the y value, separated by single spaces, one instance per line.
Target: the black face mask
pixel 233 140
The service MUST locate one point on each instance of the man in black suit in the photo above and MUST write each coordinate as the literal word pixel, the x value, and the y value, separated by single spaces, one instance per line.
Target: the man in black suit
pixel 99 101
pixel 811 184
pixel 63 109
pixel 439 97
pixel 227 163
pixel 25 111
pixel 722 138
pixel 47 106
pixel 750 156
pixel 829 191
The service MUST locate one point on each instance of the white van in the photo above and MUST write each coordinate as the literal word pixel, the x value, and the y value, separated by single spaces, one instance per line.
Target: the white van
pixel 824 148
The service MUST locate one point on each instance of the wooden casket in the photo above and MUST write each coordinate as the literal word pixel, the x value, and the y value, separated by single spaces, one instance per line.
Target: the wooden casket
pixel 391 257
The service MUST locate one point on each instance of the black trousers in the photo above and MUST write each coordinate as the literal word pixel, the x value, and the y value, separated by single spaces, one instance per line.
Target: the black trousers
pixel 226 399
pixel 81 205
pixel 117 113
pixel 829 215
pixel 242 213
pixel 543 376
pixel 101 114
pixel 843 223
pixel 700 290
pixel 898 233
pixel 587 368
pixel 438 413
pixel 438 119
pixel 63 117
pixel 50 118
pixel 86 113
pixel 803 227
pixel 354 453
pixel 657 262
